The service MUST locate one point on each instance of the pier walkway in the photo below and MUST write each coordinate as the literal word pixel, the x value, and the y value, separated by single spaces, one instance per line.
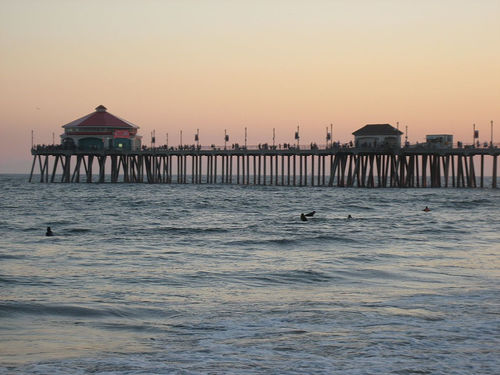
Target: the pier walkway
pixel 342 166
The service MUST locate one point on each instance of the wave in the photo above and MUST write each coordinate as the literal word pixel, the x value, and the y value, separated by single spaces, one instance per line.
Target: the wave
pixel 358 207
pixel 69 310
pixel 305 240
pixel 371 274
pixel 6 309
pixel 293 277
pixel 473 203
pixel 416 313
pixel 79 230
pixel 186 230
pixel 25 280
pixel 10 256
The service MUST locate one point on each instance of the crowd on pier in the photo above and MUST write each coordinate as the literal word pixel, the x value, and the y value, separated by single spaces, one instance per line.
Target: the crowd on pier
pixel 265 146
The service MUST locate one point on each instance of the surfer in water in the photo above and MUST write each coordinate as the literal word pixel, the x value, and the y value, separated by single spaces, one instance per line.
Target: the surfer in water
pixel 303 217
pixel 349 217
pixel 49 232
pixel 426 209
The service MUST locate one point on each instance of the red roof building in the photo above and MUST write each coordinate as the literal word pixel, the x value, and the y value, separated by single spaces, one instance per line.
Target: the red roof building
pixel 101 130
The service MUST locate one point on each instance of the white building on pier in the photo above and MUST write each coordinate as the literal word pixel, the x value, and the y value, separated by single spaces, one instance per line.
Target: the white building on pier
pixel 378 135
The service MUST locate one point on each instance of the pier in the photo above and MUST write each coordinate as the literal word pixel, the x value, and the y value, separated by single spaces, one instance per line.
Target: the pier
pixel 340 166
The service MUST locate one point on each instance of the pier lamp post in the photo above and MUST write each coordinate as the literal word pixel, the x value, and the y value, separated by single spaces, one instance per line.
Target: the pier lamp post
pixel 297 137
pixel 274 137
pixel 328 137
pixel 491 136
pixel 226 138
pixel 331 135
pixel 245 137
pixel 197 137
pixel 475 135
pixel 32 138
pixel 180 137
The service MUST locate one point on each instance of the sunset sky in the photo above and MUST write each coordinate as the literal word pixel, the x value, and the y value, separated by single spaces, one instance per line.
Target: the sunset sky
pixel 434 66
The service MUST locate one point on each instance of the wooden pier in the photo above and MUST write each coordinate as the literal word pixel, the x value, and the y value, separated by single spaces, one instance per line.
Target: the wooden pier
pixel 409 167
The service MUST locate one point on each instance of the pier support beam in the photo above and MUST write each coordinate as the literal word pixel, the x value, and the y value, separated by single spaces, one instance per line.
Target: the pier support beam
pixel 494 174
pixel 347 168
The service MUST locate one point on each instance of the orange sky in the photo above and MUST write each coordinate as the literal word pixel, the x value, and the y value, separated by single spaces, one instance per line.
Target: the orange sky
pixel 170 65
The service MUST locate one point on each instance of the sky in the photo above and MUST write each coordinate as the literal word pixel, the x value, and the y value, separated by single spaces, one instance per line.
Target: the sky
pixel 432 66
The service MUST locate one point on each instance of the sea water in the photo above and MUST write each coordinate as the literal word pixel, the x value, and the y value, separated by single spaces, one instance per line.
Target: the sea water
pixel 219 279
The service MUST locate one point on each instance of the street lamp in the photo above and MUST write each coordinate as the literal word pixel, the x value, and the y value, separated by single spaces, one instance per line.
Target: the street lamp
pixel 491 139
pixel 331 135
pixel 297 137
pixel 476 135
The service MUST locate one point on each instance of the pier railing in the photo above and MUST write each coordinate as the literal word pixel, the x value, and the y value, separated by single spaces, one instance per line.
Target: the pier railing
pixel 341 165
pixel 335 146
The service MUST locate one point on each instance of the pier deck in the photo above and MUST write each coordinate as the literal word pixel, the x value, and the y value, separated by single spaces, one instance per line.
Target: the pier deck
pixel 408 167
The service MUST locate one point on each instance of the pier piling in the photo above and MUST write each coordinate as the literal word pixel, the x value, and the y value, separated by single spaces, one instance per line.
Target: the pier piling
pixel 342 167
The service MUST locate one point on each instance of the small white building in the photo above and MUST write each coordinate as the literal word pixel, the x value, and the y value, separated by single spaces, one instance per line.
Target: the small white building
pixel 101 130
pixel 378 135
pixel 439 140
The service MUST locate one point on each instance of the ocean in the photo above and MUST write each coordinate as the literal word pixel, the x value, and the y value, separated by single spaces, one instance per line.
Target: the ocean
pixel 219 279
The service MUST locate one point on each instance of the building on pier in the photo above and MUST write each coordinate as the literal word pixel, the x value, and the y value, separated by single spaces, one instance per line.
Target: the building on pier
pixel 100 130
pixel 378 135
pixel 439 140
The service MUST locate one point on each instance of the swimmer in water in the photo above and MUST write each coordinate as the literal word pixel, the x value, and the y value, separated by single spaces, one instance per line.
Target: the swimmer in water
pixel 426 209
pixel 303 217
pixel 49 232
pixel 349 217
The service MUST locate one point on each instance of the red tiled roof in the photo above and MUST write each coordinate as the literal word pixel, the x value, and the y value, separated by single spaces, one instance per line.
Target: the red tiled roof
pixel 102 119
